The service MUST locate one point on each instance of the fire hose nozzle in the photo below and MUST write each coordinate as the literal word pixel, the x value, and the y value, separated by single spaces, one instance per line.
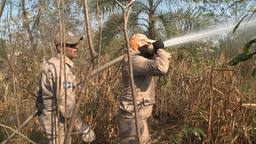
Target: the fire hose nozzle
pixel 150 48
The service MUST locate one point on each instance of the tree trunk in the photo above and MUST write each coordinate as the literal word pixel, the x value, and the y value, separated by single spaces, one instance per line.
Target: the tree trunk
pixel 2 7
pixel 151 21
pixel 26 25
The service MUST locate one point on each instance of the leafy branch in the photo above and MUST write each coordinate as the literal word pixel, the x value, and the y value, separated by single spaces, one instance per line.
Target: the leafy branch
pixel 246 55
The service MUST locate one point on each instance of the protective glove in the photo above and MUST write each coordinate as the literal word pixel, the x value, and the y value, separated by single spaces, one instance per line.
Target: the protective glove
pixel 86 134
pixel 158 45
pixel 143 49
pixel 144 52
pixel 39 107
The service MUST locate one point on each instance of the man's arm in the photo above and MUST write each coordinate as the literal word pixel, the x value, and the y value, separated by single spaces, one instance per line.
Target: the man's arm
pixel 45 88
pixel 38 97
pixel 38 92
pixel 146 67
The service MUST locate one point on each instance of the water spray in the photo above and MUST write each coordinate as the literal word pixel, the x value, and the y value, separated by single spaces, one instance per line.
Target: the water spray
pixel 167 43
pixel 205 34
pixel 176 41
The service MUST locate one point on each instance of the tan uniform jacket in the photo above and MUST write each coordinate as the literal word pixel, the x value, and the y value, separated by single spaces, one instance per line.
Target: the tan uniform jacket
pixel 47 92
pixel 143 71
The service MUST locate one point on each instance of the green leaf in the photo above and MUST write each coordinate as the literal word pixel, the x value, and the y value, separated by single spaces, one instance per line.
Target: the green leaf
pixel 241 57
pixel 198 131
pixel 254 74
pixel 234 30
pixel 248 45
pixel 185 131
pixel 202 110
pixel 201 132
pixel 163 133
pixel 177 140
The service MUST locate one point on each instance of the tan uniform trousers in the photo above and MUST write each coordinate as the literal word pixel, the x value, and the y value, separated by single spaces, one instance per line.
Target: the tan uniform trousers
pixel 79 126
pixel 127 128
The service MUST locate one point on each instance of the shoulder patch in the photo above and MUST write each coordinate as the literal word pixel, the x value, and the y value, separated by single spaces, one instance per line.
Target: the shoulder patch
pixel 67 84
pixel 135 56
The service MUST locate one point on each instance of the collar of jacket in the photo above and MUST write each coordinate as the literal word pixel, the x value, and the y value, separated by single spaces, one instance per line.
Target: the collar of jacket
pixel 68 61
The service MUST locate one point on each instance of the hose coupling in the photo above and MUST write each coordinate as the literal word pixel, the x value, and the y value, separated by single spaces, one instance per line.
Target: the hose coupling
pixel 150 48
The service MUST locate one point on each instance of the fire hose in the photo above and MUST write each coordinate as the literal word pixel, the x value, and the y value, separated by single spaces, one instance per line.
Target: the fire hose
pixel 150 49
pixel 94 72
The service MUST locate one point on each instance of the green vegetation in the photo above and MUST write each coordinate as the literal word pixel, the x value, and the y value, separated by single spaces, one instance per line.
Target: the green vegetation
pixel 208 95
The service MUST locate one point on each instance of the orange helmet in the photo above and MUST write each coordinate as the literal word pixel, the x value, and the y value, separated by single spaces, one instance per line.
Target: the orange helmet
pixel 139 40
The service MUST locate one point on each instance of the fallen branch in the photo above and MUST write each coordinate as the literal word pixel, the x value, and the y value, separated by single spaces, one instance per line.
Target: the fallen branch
pixel 17 133
pixel 21 127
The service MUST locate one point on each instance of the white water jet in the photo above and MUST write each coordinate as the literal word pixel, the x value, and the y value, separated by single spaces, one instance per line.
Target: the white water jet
pixel 206 34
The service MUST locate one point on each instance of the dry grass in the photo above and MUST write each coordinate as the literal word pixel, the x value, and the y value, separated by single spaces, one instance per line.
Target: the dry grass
pixel 193 105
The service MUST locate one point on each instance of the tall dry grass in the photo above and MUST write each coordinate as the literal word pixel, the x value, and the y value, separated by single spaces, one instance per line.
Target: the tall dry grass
pixel 196 102
pixel 206 106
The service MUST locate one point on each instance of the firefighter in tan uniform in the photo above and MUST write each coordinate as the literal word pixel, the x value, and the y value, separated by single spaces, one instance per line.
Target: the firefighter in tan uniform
pixel 47 93
pixel 145 67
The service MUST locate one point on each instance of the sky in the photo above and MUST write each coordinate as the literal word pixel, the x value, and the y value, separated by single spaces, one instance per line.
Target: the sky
pixel 16 5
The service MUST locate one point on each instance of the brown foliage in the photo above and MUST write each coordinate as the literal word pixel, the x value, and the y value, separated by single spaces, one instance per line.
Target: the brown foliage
pixel 209 99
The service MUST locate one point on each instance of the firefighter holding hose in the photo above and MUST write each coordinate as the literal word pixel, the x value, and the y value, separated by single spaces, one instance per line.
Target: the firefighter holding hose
pixel 153 61
pixel 48 88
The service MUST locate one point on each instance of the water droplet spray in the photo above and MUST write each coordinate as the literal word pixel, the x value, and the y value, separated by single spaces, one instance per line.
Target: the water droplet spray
pixel 207 34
